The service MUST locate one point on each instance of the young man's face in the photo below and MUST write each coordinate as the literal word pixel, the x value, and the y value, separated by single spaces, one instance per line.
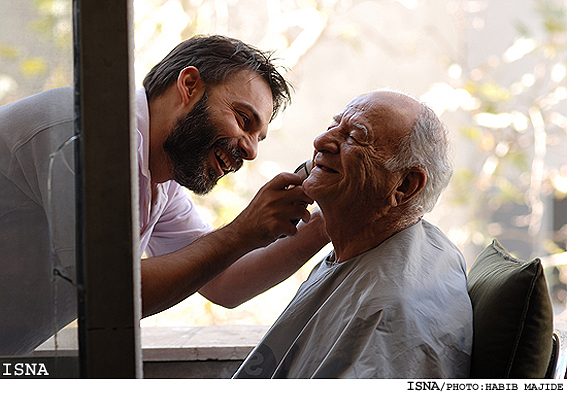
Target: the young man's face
pixel 222 129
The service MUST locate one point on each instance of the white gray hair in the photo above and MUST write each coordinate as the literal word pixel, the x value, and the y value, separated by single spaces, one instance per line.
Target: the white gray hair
pixel 426 147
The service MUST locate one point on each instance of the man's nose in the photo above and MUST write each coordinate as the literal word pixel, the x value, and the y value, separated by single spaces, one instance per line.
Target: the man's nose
pixel 326 142
pixel 249 147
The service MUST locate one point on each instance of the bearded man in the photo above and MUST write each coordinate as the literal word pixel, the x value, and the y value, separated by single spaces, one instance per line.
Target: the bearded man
pixel 201 113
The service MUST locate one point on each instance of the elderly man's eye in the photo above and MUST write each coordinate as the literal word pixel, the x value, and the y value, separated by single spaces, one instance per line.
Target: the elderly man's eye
pixel 359 135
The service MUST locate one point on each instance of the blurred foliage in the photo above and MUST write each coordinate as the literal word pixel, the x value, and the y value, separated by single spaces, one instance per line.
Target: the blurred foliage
pixel 512 112
pixel 32 67
pixel 38 56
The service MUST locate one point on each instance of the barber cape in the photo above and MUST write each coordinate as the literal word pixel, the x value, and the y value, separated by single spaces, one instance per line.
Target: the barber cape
pixel 400 310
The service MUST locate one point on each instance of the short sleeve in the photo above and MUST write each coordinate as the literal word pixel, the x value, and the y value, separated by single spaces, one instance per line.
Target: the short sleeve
pixel 179 225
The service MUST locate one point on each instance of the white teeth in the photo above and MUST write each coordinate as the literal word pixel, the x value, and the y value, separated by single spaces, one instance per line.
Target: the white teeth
pixel 224 159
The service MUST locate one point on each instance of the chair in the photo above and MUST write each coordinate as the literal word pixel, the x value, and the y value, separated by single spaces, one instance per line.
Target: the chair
pixel 513 326
pixel 557 368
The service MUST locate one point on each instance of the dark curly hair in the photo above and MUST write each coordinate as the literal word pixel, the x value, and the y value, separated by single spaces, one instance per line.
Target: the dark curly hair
pixel 217 58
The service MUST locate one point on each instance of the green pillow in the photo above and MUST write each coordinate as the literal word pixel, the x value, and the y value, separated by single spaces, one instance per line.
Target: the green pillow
pixel 512 316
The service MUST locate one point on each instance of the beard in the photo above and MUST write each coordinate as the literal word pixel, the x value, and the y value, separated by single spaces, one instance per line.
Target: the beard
pixel 188 147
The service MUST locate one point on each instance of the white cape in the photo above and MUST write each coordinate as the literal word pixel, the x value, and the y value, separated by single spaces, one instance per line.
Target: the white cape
pixel 400 310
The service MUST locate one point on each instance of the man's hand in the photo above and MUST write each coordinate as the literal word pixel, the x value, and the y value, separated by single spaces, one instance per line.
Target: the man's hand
pixel 263 268
pixel 168 279
pixel 270 213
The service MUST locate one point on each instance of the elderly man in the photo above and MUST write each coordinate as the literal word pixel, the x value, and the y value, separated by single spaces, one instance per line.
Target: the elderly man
pixel 391 300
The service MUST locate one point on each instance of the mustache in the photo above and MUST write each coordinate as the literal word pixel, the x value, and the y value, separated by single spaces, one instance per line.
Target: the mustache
pixel 231 147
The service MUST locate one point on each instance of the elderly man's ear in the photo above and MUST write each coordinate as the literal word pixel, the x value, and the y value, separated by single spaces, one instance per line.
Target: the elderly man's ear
pixel 410 185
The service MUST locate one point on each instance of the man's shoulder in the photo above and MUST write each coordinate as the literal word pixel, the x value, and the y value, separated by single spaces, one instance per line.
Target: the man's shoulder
pixel 51 97
pixel 24 119
pixel 45 107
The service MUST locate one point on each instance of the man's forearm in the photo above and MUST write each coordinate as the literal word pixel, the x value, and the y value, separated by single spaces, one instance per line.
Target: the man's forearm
pixel 168 279
pixel 264 268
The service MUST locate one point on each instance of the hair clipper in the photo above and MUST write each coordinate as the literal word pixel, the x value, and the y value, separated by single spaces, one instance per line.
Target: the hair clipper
pixel 303 171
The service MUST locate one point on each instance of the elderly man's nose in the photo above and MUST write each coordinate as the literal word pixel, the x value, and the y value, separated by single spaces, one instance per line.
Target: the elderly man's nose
pixel 326 142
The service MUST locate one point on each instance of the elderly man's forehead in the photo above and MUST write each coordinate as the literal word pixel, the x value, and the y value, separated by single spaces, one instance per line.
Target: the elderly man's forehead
pixel 387 104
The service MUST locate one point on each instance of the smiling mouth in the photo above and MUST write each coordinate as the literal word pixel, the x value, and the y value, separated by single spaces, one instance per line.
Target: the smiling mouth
pixel 325 168
pixel 224 160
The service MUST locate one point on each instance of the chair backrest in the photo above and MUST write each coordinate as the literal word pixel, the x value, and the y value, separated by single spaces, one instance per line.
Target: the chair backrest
pixel 512 316
pixel 557 368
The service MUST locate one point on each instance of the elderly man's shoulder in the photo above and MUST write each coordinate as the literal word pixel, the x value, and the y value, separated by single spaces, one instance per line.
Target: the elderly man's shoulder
pixel 420 241
pixel 415 262
pixel 437 236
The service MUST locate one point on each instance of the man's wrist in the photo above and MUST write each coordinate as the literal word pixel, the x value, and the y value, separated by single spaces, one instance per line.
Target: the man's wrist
pixel 237 238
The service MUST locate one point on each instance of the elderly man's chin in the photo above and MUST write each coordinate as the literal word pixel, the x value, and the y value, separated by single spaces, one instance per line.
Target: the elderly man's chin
pixel 314 188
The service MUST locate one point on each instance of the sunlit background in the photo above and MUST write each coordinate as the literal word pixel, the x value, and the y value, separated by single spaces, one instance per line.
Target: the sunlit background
pixel 495 71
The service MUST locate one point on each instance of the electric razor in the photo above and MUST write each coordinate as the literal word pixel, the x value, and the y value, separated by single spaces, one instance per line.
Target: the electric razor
pixel 303 171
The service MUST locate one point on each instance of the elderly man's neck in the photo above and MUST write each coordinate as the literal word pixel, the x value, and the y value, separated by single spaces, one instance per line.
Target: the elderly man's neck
pixel 352 237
